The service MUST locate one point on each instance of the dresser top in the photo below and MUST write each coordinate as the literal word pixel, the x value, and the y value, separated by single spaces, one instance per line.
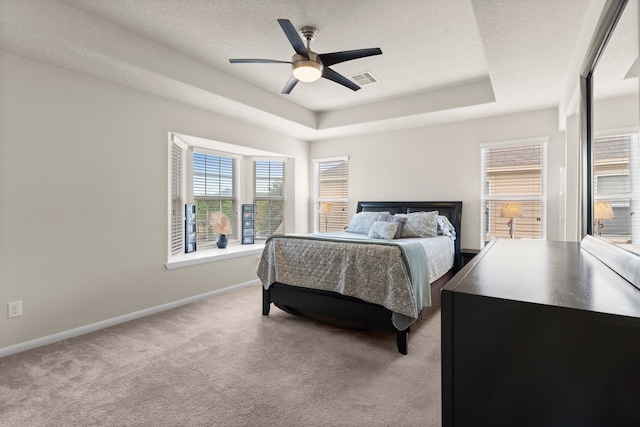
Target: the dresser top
pixel 549 273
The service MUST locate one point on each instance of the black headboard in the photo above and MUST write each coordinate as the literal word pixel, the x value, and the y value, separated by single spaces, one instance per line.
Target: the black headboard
pixel 452 210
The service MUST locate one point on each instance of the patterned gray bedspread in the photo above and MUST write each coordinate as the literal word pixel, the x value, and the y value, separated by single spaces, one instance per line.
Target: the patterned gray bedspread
pixel 393 274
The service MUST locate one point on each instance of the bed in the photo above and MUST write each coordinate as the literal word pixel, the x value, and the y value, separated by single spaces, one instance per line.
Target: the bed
pixel 348 300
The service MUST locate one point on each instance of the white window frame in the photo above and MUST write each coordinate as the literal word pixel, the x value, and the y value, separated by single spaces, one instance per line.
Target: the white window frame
pixel 634 177
pixel 245 191
pixel 317 200
pixel 284 195
pixel 484 183
pixel 235 197
pixel 177 195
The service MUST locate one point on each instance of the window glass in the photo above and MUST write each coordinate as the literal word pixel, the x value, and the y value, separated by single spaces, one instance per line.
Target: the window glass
pixel 514 191
pixel 214 190
pixel 269 197
pixel 331 186
pixel 615 182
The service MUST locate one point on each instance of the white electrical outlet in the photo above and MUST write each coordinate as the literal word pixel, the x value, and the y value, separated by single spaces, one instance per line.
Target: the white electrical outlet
pixel 14 309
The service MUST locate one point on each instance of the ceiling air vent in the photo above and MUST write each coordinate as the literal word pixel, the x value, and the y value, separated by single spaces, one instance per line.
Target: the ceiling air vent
pixel 363 79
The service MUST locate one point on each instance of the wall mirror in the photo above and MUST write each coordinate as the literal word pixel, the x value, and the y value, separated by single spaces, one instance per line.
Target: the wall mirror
pixel 612 160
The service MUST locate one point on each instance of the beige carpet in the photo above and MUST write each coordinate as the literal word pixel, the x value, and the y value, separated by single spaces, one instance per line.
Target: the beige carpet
pixel 220 362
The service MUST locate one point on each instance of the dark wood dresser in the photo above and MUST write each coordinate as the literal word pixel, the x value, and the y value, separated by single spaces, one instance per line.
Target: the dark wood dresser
pixel 540 333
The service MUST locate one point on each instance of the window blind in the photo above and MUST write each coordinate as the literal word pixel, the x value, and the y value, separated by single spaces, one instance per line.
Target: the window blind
pixel 514 174
pixel 214 190
pixel 177 201
pixel 615 187
pixel 331 186
pixel 269 197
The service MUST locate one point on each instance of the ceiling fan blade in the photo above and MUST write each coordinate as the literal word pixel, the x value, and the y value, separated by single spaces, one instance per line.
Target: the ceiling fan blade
pixel 328 73
pixel 328 59
pixel 290 85
pixel 294 37
pixel 258 61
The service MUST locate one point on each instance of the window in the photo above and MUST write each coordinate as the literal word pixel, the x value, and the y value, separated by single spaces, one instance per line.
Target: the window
pixel 514 189
pixel 214 190
pixel 615 187
pixel 269 197
pixel 217 177
pixel 331 188
pixel 176 185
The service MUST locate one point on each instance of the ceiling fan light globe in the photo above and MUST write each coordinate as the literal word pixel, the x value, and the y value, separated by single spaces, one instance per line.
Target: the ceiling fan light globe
pixel 307 71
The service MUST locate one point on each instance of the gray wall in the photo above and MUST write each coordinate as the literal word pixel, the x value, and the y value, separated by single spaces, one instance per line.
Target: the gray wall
pixel 442 162
pixel 84 199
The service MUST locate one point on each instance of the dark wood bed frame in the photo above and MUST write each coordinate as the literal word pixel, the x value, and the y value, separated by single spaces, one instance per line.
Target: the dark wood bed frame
pixel 349 310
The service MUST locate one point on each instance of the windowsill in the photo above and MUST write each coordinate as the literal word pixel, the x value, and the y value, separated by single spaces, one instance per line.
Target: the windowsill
pixel 214 255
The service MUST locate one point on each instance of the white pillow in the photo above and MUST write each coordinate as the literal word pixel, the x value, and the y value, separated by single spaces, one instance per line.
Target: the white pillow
pixel 362 222
pixel 420 224
pixel 445 227
pixel 383 230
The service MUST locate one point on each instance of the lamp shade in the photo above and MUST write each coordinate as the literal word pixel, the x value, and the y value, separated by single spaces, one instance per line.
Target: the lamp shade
pixel 511 210
pixel 307 71
pixel 326 207
pixel 603 210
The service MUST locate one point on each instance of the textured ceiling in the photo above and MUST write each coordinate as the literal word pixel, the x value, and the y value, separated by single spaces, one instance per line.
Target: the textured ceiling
pixel 418 53
pixel 442 60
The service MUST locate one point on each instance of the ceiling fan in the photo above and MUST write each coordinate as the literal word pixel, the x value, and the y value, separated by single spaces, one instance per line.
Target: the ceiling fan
pixel 309 66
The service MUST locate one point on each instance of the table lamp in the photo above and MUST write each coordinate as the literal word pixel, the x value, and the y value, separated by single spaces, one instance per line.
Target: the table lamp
pixel 602 210
pixel 326 208
pixel 511 211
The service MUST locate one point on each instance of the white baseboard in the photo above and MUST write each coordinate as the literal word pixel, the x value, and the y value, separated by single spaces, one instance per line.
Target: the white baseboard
pixel 50 339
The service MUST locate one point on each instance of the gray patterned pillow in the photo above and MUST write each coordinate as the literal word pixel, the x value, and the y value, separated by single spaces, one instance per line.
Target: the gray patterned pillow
pixel 393 218
pixel 383 230
pixel 420 224
pixel 362 222
pixel 401 222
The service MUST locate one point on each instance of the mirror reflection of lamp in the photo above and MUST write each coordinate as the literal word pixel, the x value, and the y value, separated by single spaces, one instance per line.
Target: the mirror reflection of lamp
pixel 601 211
pixel 512 211
pixel 326 208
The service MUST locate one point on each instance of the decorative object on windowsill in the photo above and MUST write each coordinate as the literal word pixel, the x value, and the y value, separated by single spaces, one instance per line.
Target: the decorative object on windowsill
pixel 222 241
pixel 247 224
pixel 221 224
pixel 326 208
pixel 190 228
pixel 512 211
pixel 601 211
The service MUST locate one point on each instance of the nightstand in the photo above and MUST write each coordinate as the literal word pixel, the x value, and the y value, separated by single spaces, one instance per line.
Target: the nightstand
pixel 467 255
